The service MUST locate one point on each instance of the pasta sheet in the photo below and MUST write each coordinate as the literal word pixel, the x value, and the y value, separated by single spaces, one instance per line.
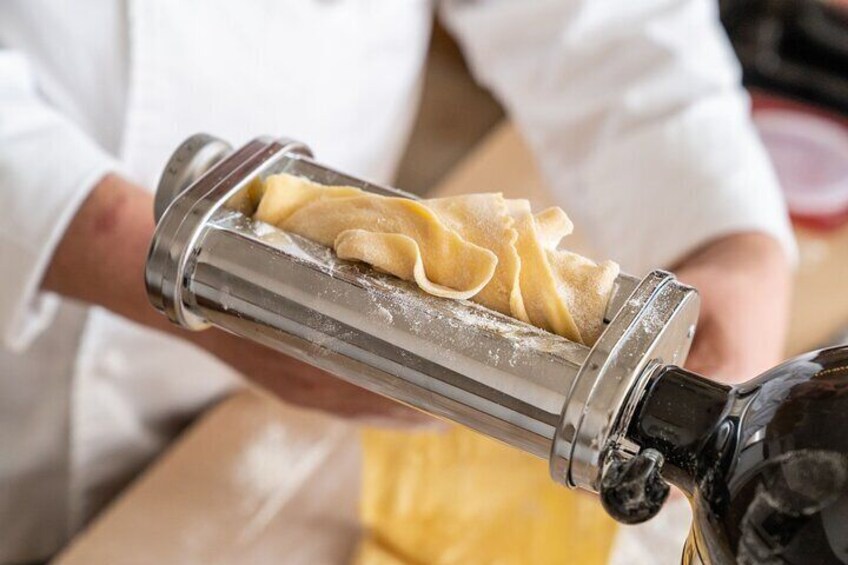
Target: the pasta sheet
pixel 481 247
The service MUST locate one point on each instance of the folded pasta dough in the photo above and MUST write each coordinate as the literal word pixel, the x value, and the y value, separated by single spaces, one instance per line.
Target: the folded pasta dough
pixel 396 235
pixel 480 246
pixel 585 287
pixel 484 219
pixel 543 298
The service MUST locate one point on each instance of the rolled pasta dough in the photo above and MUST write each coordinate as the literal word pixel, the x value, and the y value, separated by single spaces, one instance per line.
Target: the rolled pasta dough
pixel 480 247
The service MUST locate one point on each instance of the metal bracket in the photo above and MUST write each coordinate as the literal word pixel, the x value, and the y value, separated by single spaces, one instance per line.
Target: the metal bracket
pixel 183 217
pixel 654 326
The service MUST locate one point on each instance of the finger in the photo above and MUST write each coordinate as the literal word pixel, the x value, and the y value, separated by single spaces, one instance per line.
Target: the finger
pixel 314 388
pixel 349 401
pixel 375 410
pixel 422 423
pixel 713 358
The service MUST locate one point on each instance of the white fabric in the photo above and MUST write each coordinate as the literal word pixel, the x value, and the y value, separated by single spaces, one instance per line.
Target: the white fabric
pixel 35 142
pixel 633 109
pixel 637 118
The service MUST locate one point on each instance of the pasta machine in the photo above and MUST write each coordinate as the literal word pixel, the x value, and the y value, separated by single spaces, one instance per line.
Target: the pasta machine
pixel 210 263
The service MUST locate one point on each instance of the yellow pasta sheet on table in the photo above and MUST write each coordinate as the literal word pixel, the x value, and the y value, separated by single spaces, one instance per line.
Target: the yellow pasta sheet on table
pixel 457 497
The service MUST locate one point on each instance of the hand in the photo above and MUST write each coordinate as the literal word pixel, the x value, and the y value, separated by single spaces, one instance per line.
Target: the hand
pixel 100 260
pixel 745 285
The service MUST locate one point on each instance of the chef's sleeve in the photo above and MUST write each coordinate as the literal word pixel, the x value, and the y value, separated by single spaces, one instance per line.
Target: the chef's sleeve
pixel 47 168
pixel 636 115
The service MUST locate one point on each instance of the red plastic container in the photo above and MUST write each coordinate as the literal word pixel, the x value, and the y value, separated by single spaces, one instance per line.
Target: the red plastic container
pixel 809 149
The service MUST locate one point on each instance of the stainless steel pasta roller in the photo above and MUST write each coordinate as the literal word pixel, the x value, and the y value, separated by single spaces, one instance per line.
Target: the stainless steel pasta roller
pixel 764 464
pixel 210 263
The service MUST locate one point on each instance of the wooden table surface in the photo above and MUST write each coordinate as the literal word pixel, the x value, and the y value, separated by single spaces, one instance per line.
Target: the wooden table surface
pixel 199 504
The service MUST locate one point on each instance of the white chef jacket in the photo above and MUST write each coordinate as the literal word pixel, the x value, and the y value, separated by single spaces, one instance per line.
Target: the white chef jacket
pixel 633 109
